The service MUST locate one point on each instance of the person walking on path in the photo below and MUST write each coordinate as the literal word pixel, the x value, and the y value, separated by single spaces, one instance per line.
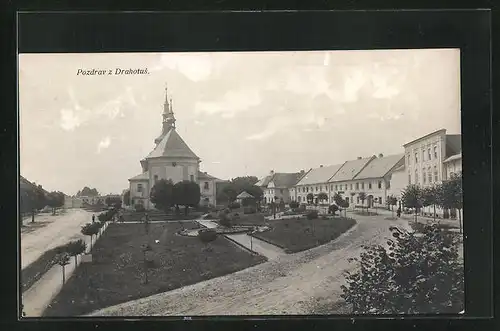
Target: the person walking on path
pixel 398 212
pixel 93 218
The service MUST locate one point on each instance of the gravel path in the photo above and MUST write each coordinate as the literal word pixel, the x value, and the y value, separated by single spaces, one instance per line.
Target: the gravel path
pixel 290 284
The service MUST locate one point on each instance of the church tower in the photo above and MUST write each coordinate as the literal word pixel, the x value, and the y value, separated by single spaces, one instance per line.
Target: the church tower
pixel 168 122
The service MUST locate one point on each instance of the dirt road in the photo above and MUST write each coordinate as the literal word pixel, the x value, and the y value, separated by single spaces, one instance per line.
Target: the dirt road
pixel 51 231
pixel 291 284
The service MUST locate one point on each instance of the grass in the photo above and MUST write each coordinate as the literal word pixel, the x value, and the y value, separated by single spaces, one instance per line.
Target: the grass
pixel 35 270
pixel 116 273
pixel 302 234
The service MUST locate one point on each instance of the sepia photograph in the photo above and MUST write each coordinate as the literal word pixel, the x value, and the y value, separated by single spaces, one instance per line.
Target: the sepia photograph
pixel 241 183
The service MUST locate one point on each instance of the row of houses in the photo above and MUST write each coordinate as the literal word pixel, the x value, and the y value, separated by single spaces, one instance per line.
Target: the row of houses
pixel 425 161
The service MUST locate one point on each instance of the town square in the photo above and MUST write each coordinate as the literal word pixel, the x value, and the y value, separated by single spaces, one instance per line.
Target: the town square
pixel 242 183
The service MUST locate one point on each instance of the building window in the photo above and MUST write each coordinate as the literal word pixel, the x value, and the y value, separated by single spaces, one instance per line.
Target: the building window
pixel 435 152
pixel 336 188
pixel 429 175
pixel 156 178
pixel 423 155
pixel 416 177
pixel 363 185
pixel 298 198
pixel 424 178
pixel 357 199
pixel 281 190
pixel 409 179
pixel 205 186
pixel 139 187
pixel 379 184
pixel 347 199
pixel 429 155
pixel 416 157
pixel 191 177
pixel 370 185
pixel 346 187
pixel 351 186
pixel 357 186
pixel 380 200
pixel 436 174
pixel 331 188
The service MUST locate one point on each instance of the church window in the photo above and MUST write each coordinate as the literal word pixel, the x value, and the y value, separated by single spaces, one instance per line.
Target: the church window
pixel 191 177
pixel 370 185
pixel 205 187
pixel 139 187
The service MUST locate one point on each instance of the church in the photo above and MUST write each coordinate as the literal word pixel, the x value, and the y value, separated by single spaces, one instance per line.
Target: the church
pixel 171 159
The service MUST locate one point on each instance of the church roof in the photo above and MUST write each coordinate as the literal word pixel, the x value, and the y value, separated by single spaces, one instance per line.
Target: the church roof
pixel 172 145
pixel 143 176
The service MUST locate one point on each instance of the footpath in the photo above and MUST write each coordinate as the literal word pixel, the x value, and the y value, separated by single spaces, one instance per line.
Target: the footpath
pixel 41 294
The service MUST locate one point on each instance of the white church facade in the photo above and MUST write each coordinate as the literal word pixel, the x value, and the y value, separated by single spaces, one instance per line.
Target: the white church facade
pixel 170 159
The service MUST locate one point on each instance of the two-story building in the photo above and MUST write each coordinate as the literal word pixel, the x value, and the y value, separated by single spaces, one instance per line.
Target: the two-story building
pixel 279 186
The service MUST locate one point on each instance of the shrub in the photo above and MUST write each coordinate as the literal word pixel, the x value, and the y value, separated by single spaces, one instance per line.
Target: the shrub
pixel 332 209
pixel 249 210
pixel 312 215
pixel 207 235
pixel 293 204
pixel 139 207
pixel 418 273
pixel 225 220
pixel 234 205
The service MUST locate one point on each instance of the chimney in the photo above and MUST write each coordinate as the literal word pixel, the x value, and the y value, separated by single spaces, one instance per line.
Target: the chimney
pixel 302 171
pixel 359 157
pixel 381 155
pixel 321 166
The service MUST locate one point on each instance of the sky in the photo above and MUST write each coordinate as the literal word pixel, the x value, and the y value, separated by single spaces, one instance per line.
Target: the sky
pixel 242 113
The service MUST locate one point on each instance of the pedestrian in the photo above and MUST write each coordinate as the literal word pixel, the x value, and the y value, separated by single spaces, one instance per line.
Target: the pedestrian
pixel 93 218
pixel 398 213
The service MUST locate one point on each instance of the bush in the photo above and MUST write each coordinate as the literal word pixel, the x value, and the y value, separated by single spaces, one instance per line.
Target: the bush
pixel 332 209
pixel 418 273
pixel 234 205
pixel 207 235
pixel 312 215
pixel 139 207
pixel 249 210
pixel 293 204
pixel 225 220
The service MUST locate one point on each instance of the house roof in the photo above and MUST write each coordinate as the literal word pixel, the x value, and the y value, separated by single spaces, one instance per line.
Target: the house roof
pixel 286 180
pixel 453 157
pixel 143 176
pixel 380 166
pixel 172 145
pixel 350 169
pixel 244 195
pixel 319 175
pixel 442 131
pixel 263 182
pixel 204 175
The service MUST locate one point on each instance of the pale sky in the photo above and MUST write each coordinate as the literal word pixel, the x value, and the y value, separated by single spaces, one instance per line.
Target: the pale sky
pixel 242 113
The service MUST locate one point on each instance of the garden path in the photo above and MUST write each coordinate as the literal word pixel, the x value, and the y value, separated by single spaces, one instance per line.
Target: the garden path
pixel 254 244
pixel 290 284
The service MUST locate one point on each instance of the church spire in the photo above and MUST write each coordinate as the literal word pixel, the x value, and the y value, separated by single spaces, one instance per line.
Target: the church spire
pixel 168 114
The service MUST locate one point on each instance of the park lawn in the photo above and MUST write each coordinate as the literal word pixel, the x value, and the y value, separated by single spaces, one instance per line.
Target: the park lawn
pixel 116 273
pixel 295 235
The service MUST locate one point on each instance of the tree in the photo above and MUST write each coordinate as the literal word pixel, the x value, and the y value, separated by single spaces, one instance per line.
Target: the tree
pixel 310 198
pixel 392 201
pixel 450 195
pixel 412 198
pixel 126 198
pixel 341 202
pixel 322 196
pixel 406 277
pixel 362 197
pixel 207 236
pixel 55 200
pixel 90 229
pixel 113 201
pixel 63 260
pixel 88 192
pixel 162 195
pixel 75 248
pixel 293 205
pixel 187 194
pixel 430 197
